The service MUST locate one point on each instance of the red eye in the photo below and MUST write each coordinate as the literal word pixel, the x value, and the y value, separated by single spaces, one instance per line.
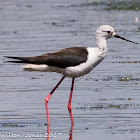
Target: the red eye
pixel 108 32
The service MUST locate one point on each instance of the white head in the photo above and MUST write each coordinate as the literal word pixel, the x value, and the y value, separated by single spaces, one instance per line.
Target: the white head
pixel 106 32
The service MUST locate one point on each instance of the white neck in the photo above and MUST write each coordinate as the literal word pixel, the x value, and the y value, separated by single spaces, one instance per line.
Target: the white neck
pixel 101 43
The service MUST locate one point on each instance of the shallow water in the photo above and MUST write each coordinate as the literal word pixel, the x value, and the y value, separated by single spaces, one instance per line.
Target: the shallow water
pixel 105 103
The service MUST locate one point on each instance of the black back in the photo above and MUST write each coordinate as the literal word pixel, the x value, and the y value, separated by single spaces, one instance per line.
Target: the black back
pixel 62 59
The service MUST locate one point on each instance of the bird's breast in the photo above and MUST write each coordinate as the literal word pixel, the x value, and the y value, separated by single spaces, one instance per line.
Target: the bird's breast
pixel 95 56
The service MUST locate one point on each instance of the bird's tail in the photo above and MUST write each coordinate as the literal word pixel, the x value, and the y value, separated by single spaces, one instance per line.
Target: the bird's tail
pixel 18 59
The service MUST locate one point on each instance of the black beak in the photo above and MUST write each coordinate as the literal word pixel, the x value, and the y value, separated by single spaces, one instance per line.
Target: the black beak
pixel 117 36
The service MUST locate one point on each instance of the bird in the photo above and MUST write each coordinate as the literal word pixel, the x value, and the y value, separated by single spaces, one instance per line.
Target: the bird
pixel 70 62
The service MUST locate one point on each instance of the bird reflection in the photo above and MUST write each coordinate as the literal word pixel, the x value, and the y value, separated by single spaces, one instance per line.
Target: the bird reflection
pixel 70 132
pixel 48 132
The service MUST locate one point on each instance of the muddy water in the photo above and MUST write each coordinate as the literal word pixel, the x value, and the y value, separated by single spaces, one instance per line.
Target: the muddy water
pixel 106 102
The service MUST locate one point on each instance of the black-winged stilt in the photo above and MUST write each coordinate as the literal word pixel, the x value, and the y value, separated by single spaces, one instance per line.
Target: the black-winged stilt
pixel 71 62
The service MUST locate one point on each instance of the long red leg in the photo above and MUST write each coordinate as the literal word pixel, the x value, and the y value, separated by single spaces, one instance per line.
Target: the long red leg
pixel 48 97
pixel 69 103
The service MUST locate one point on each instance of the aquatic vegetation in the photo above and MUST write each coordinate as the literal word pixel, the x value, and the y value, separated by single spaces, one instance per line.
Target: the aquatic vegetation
pixel 124 5
pixel 12 125
pixel 114 4
pixel 99 106
pixel 128 62
pixel 54 23
pixel 124 79
pixel 115 99
pixel 29 6
pixel 128 78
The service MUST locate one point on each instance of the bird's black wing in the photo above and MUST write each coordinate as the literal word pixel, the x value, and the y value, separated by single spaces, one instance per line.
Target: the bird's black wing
pixel 62 59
